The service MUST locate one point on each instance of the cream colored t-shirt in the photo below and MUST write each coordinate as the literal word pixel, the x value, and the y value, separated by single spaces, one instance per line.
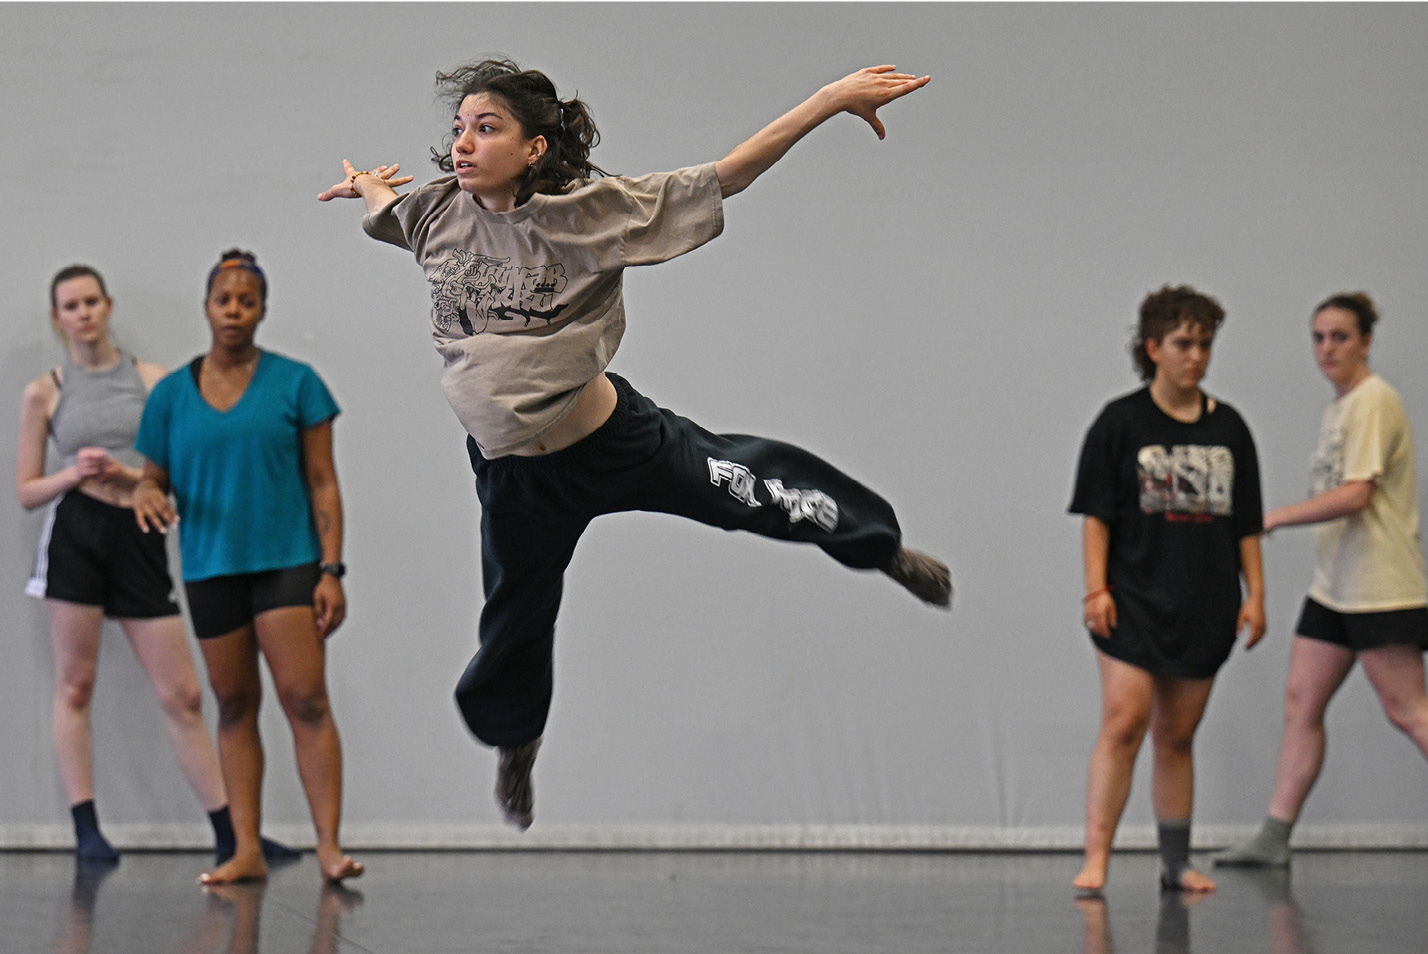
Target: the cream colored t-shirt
pixel 1370 561
pixel 528 305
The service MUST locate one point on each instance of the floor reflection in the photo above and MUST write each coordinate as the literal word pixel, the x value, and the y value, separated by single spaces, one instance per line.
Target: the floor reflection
pixel 1284 924
pixel 221 919
pixel 711 903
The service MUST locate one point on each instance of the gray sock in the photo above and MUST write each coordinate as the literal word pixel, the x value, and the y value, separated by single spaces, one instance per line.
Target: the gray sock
pixel 1269 848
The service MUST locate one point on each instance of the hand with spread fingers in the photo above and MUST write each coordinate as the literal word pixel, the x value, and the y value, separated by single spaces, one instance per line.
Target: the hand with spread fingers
pixel 863 93
pixel 347 188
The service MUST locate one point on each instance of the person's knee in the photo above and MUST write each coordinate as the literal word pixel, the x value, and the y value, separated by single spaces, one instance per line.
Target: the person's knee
pixel 1409 715
pixel 76 689
pixel 307 706
pixel 236 705
pixel 182 702
pixel 1303 706
pixel 1124 727
pixel 1173 740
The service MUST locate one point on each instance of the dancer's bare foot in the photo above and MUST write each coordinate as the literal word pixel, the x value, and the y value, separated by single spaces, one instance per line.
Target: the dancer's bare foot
pixel 237 869
pixel 1091 881
pixel 336 866
pixel 1190 881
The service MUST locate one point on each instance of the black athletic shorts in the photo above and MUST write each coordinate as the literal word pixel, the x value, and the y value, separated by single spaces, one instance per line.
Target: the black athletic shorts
pixel 94 554
pixel 1360 631
pixel 221 604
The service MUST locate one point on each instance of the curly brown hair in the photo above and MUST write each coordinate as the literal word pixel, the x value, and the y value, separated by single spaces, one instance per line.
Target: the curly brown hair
pixel 1165 310
pixel 567 125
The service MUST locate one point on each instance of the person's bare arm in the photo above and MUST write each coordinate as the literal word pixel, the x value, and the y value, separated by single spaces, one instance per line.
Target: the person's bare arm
pixel 861 93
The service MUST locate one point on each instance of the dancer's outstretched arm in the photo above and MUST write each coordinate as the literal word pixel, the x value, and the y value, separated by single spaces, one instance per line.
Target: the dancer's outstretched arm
pixel 375 188
pixel 861 93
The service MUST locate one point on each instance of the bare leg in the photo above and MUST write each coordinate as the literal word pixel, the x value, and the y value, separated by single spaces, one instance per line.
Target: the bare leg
pixel 1316 670
pixel 1396 673
pixel 161 646
pixel 74 636
pixel 296 656
pixel 1179 707
pixel 232 661
pixel 1126 694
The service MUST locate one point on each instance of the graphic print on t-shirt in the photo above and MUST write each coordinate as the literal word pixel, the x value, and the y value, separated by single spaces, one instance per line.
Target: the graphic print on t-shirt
pixel 1326 467
pixel 470 292
pixel 1186 479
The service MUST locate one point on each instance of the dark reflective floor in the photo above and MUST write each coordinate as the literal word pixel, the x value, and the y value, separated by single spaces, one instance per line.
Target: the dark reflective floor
pixel 441 903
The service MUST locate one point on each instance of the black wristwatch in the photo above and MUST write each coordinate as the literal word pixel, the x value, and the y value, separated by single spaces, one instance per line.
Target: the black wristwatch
pixel 338 569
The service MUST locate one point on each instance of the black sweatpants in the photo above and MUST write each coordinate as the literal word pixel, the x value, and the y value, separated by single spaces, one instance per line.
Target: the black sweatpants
pixel 534 509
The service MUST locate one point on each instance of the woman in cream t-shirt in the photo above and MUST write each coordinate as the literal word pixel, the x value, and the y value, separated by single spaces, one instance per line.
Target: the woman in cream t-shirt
pixel 1367 602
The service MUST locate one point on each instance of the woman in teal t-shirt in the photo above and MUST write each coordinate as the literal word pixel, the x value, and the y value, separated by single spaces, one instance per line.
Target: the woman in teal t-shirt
pixel 243 439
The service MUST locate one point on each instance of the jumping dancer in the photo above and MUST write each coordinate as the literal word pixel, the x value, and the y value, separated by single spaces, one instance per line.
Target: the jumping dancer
pixel 524 245
pixel 1168 485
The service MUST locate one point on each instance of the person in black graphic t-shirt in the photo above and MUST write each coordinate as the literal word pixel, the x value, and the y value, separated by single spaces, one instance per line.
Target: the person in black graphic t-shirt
pixel 1168 484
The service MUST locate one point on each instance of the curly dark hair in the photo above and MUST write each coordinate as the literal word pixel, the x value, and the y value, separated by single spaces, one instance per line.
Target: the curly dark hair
pixel 567 125
pixel 75 271
pixel 1358 304
pixel 1165 310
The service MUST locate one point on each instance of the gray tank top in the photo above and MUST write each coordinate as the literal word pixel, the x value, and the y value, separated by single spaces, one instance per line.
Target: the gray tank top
pixel 99 409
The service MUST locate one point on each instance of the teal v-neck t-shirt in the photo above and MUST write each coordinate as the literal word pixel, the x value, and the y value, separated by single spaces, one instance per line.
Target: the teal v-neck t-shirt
pixel 237 475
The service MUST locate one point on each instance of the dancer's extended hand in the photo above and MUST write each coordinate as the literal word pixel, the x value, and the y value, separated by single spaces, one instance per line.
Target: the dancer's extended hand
pixel 346 188
pixel 864 92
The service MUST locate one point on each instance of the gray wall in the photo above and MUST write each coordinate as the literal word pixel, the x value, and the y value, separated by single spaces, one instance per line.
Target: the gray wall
pixel 942 314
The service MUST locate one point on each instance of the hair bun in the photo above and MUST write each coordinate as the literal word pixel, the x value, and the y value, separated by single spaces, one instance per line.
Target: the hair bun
pixel 239 254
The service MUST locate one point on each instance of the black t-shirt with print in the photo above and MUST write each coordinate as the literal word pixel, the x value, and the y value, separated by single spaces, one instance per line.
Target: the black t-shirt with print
pixel 1178 498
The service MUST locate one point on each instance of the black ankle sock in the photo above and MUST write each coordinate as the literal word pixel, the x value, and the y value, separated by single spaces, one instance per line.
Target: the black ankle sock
pixel 224 841
pixel 89 844
pixel 1174 838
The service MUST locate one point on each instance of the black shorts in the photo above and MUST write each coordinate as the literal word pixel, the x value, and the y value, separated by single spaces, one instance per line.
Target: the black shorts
pixel 221 604
pixel 1360 631
pixel 94 554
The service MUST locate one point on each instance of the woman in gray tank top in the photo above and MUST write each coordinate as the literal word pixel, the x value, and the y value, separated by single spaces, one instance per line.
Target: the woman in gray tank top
pixel 92 560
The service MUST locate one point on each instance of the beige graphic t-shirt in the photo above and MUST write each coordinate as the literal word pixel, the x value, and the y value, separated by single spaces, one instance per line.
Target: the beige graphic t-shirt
pixel 1371 561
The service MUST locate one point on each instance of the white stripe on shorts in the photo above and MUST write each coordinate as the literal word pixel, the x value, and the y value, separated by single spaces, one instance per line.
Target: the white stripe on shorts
pixel 39 576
